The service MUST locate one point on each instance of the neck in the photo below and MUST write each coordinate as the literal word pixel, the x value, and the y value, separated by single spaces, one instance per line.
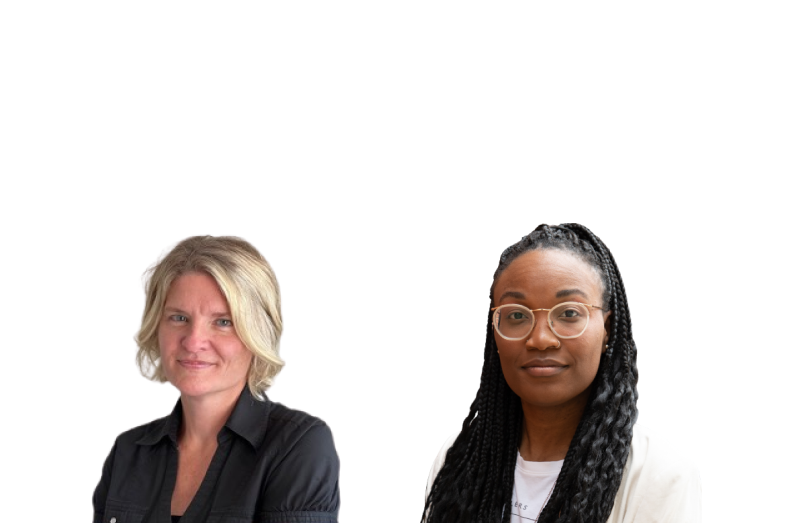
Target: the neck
pixel 204 417
pixel 548 431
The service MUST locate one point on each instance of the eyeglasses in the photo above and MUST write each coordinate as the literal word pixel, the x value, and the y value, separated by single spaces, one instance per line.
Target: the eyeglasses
pixel 566 320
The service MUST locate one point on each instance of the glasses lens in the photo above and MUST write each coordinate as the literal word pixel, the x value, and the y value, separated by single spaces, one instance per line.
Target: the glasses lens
pixel 513 321
pixel 569 319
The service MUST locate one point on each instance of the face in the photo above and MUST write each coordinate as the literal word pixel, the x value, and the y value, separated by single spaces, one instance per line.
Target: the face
pixel 542 369
pixel 201 353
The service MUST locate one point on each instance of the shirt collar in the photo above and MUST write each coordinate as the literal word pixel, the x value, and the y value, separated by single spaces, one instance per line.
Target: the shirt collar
pixel 248 420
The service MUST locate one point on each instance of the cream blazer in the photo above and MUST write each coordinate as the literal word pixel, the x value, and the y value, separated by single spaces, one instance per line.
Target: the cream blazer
pixel 657 486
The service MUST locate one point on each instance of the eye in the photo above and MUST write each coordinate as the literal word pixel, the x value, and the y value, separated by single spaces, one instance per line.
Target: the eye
pixel 569 312
pixel 516 316
pixel 178 318
pixel 224 322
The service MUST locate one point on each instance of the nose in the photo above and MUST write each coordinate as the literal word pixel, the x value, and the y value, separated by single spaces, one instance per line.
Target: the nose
pixel 542 337
pixel 195 338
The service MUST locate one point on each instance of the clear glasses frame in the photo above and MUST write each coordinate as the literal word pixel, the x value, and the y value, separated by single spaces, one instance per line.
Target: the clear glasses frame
pixel 586 306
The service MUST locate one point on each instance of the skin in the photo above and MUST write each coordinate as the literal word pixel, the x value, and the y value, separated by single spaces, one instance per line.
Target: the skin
pixel 551 375
pixel 203 357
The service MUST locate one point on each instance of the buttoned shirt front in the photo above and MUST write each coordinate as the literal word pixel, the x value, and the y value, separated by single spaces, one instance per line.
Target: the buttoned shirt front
pixel 272 465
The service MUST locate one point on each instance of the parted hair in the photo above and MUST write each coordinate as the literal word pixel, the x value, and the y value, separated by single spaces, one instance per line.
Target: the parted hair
pixel 250 288
pixel 476 481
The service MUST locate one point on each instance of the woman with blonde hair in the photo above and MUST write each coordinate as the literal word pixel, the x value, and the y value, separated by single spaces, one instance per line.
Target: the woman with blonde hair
pixel 211 327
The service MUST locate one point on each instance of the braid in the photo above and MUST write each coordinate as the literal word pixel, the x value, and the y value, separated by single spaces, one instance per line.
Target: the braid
pixel 476 482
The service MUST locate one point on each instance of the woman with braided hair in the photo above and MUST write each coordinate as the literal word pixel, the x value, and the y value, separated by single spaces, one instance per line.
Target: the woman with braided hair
pixel 550 436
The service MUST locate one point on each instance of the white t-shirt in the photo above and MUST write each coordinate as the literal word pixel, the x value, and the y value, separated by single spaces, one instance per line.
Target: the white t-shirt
pixel 656 487
pixel 532 486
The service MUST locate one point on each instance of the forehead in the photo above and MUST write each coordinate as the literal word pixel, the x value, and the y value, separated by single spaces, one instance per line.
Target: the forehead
pixel 542 273
pixel 194 285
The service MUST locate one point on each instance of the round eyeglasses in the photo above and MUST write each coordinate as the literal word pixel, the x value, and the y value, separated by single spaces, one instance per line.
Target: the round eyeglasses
pixel 566 320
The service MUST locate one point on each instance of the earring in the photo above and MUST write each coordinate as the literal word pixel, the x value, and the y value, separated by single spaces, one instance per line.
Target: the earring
pixel 559 344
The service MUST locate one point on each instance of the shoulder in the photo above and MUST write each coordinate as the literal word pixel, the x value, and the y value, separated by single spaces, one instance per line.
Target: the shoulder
pixel 659 460
pixel 292 419
pixel 295 437
pixel 147 434
pixel 290 427
pixel 659 484
pixel 135 446
pixel 129 457
pixel 306 466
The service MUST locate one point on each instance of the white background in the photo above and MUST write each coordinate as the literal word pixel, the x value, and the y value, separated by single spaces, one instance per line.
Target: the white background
pixel 382 155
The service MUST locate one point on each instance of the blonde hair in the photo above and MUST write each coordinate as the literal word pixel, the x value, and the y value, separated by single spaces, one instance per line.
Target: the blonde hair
pixel 250 288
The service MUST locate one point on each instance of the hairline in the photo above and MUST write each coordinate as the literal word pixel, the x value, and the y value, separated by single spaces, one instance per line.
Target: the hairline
pixel 559 247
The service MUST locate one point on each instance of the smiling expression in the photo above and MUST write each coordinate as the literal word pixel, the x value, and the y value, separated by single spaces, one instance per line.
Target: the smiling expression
pixel 542 369
pixel 201 353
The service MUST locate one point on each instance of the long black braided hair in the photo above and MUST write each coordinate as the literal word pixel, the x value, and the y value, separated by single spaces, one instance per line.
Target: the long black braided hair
pixel 475 483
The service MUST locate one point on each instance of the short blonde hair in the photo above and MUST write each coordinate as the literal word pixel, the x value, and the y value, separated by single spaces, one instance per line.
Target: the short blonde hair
pixel 250 288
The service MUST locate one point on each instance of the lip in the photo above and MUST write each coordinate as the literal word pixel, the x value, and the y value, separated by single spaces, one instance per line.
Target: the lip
pixel 194 364
pixel 544 368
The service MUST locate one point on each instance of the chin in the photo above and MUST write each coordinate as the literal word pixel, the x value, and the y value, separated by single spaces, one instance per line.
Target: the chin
pixel 190 387
pixel 543 399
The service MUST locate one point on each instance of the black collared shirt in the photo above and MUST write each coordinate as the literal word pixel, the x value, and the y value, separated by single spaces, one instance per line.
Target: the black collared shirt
pixel 273 465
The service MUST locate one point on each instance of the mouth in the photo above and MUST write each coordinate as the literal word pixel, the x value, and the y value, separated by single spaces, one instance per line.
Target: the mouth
pixel 544 368
pixel 194 364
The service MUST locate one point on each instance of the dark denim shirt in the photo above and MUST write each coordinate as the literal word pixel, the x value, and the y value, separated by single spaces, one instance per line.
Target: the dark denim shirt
pixel 273 465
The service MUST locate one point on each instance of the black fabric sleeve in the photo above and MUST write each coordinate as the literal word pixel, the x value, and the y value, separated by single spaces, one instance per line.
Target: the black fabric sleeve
pixel 101 491
pixel 304 486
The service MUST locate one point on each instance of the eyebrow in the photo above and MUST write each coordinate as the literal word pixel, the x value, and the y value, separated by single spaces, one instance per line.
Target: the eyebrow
pixel 512 294
pixel 569 292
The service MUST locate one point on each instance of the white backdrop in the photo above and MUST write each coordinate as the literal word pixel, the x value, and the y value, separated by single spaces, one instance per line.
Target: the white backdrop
pixel 381 156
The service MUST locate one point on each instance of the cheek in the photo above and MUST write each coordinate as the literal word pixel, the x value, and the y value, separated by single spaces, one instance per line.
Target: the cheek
pixel 591 351
pixel 507 360
pixel 243 362
pixel 166 341
pixel 240 355
pixel 502 348
pixel 501 343
pixel 598 340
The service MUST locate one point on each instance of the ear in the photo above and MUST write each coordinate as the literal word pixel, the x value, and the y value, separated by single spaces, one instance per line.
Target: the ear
pixel 606 329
